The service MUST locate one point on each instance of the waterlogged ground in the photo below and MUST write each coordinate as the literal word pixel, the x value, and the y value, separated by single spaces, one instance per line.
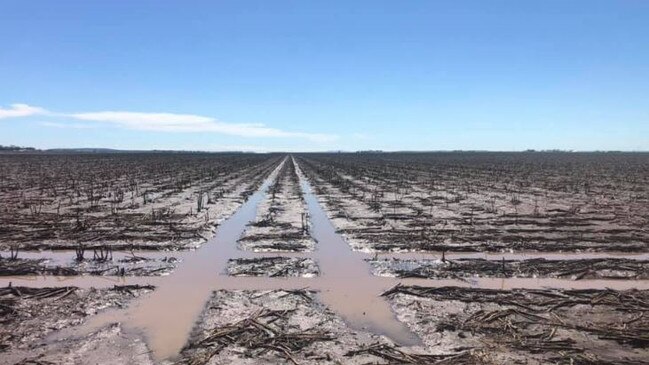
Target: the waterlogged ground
pixel 477 202
pixel 274 327
pixel 133 265
pixel 277 284
pixel 282 223
pixel 152 201
pixel 276 266
pixel 466 268
pixel 29 315
pixel 529 326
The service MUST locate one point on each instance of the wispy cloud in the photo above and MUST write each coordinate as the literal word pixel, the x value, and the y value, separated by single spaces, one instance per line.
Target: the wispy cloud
pixel 164 122
pixel 20 110
pixel 67 125
pixel 170 122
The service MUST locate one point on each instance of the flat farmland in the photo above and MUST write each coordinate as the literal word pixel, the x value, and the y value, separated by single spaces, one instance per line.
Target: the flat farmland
pixel 486 202
pixel 337 258
pixel 118 201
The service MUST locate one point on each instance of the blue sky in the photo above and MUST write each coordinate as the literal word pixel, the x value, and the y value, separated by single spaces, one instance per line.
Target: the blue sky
pixel 325 75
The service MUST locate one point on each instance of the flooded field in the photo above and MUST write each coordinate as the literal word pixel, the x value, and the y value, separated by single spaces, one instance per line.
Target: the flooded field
pixel 323 261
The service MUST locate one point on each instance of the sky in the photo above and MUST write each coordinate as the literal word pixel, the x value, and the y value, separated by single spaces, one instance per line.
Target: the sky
pixel 325 75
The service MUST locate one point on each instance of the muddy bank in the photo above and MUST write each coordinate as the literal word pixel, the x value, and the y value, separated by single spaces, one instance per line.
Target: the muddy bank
pixel 606 268
pixel 273 267
pixel 29 314
pixel 279 327
pixel 529 326
pixel 134 265
pixel 125 201
pixel 282 223
pixel 107 346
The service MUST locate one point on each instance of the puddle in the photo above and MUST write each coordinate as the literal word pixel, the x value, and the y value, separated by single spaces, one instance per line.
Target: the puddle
pixel 346 286
pixel 166 316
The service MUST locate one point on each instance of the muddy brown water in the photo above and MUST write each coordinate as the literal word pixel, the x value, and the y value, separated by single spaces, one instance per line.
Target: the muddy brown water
pixel 166 316
pixel 345 283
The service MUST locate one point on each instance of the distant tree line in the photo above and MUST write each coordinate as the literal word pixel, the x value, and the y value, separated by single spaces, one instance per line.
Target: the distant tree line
pixel 16 148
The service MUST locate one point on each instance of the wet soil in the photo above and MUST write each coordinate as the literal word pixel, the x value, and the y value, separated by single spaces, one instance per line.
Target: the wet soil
pixel 125 266
pixel 346 287
pixel 109 345
pixel 279 327
pixel 604 268
pixel 276 266
pixel 477 202
pixel 529 326
pixel 271 327
pixel 341 317
pixel 282 222
pixel 29 314
pixel 124 201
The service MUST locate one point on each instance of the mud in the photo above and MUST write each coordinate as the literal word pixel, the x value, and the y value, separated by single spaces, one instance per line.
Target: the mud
pixel 485 202
pixel 110 345
pixel 279 327
pixel 126 266
pixel 123 201
pixel 273 267
pixel 607 268
pixel 282 222
pixel 529 326
pixel 28 315
pixel 273 312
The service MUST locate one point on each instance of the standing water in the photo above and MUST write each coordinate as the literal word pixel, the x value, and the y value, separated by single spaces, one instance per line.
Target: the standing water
pixel 166 316
pixel 346 284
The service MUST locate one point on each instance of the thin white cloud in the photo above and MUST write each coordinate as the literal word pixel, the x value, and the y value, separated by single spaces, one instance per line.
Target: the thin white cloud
pixel 148 121
pixel 20 110
pixel 67 125
pixel 164 122
pixel 169 122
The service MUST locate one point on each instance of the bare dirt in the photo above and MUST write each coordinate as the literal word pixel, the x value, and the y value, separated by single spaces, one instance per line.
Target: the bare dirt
pixel 286 289
pixel 134 265
pixel 122 201
pixel 279 327
pixel 480 201
pixel 529 326
pixel 275 266
pixel 606 268
pixel 28 315
pixel 109 345
pixel 282 223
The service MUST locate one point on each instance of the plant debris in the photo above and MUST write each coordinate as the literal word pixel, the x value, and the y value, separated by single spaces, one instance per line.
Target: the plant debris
pixel 142 201
pixel 127 266
pixel 578 269
pixel 273 267
pixel 28 314
pixel 279 327
pixel 282 223
pixel 557 326
pixel 480 201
